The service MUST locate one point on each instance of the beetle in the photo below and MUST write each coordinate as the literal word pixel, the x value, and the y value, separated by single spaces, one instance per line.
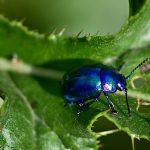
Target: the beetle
pixel 83 86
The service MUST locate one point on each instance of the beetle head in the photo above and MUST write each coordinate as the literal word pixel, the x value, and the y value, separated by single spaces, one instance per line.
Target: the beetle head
pixel 121 83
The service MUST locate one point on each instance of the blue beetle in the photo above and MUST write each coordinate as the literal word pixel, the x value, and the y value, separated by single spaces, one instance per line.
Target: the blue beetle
pixel 87 83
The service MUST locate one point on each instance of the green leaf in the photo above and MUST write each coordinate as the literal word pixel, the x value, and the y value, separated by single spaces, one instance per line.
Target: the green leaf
pixel 17 122
pixel 33 115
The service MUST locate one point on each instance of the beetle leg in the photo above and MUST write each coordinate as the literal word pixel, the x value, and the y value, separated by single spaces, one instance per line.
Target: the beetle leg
pixel 121 67
pixel 112 109
pixel 80 103
pixel 85 106
pixel 69 103
pixel 82 106
pixel 81 110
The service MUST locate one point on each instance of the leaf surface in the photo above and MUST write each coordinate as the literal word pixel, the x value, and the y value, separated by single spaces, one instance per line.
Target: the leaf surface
pixel 33 114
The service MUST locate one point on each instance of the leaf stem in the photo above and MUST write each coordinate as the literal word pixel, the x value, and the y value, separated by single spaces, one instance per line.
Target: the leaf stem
pixel 105 133
pixel 23 68
pixel 132 141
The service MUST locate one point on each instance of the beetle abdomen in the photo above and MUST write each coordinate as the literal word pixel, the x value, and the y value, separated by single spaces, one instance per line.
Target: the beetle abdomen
pixel 82 84
pixel 82 88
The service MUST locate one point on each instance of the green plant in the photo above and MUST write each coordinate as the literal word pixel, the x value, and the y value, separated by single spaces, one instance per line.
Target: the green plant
pixel 33 113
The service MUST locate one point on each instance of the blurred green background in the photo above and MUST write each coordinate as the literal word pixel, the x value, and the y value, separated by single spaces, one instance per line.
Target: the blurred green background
pixel 91 16
pixel 101 17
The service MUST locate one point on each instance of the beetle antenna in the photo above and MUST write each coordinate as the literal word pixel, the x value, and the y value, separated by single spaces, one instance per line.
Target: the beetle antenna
pixel 139 65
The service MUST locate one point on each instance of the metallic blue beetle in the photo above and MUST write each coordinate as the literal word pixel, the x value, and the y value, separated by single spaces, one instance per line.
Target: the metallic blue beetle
pixel 88 82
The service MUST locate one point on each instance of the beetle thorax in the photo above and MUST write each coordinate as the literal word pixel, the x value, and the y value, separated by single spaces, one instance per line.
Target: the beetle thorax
pixel 112 81
pixel 121 83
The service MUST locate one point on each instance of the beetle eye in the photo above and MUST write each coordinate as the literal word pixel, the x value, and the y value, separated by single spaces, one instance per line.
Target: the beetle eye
pixel 119 87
